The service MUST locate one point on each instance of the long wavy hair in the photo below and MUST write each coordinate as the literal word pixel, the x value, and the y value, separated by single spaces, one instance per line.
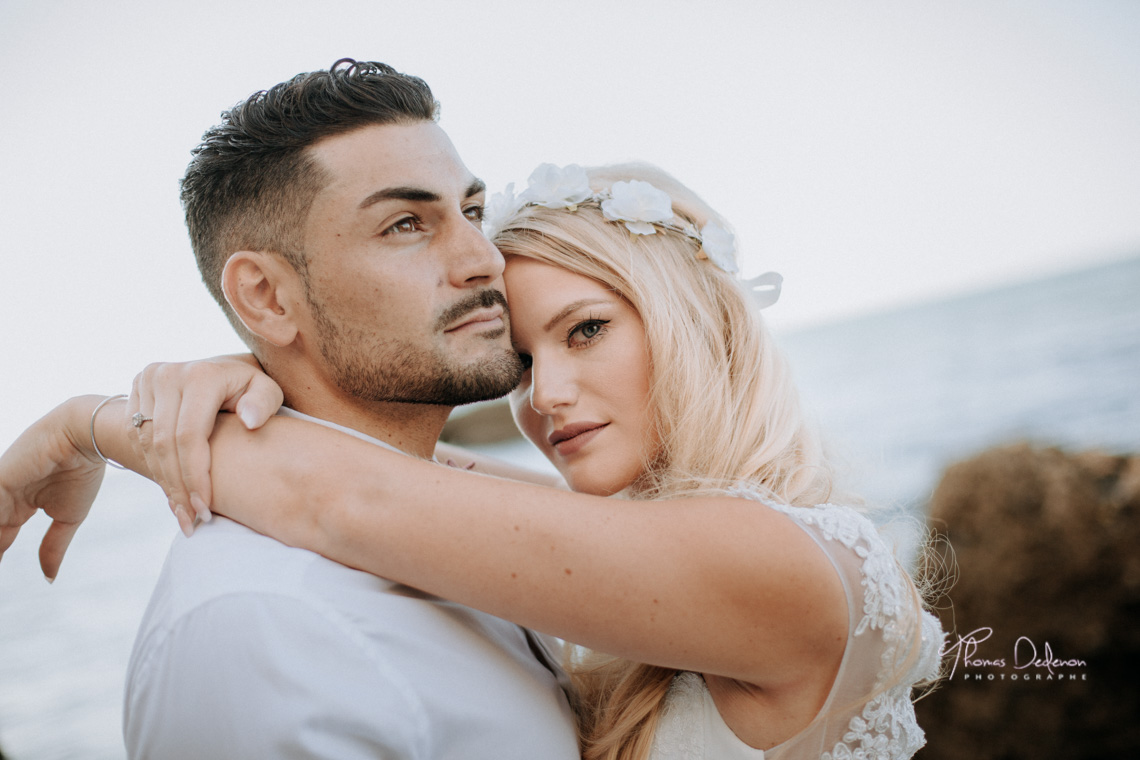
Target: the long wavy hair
pixel 721 399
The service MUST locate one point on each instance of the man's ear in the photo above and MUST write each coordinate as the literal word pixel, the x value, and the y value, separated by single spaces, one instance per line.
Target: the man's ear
pixel 263 291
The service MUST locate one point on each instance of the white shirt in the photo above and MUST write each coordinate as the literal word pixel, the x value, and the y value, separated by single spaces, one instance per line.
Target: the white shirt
pixel 252 649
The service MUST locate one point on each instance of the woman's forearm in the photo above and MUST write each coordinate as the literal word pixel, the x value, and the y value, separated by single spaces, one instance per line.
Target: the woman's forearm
pixel 469 460
pixel 699 584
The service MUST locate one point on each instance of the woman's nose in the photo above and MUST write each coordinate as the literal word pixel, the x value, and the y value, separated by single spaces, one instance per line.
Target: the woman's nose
pixel 552 386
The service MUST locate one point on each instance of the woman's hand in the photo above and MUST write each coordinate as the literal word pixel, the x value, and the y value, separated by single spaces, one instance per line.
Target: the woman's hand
pixel 184 400
pixel 51 466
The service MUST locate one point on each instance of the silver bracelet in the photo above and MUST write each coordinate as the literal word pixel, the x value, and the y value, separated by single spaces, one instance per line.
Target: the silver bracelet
pixel 111 462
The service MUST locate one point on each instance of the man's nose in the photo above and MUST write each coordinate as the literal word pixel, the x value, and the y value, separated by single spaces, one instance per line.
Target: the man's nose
pixel 474 260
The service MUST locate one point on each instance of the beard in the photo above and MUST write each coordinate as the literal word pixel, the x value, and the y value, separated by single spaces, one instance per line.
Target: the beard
pixel 401 370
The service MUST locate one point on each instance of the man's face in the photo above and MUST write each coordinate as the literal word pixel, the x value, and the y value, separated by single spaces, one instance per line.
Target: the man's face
pixel 405 291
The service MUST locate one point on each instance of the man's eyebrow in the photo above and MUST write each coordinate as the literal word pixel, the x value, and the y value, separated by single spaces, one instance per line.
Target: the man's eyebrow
pixel 417 194
pixel 570 309
pixel 400 194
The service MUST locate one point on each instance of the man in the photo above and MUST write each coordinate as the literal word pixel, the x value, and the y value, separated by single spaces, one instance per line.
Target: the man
pixel 335 224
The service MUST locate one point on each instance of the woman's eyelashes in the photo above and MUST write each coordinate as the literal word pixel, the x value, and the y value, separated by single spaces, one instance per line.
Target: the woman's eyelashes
pixel 474 213
pixel 580 335
pixel 586 332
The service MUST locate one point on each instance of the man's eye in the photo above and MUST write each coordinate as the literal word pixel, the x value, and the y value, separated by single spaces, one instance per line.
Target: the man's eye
pixel 407 224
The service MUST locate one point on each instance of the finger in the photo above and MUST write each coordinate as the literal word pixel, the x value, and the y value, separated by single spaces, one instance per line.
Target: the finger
pixel 134 401
pixel 54 546
pixel 161 434
pixel 260 401
pixel 7 537
pixel 207 387
pixel 185 521
pixel 196 418
pixel 141 394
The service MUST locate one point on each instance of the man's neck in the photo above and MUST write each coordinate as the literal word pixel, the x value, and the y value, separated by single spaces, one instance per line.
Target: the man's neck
pixel 411 428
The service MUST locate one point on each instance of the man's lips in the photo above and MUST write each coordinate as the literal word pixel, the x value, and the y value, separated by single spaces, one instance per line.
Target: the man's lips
pixel 573 431
pixel 479 316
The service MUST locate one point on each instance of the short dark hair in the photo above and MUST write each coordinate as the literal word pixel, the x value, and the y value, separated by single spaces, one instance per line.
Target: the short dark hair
pixel 251 181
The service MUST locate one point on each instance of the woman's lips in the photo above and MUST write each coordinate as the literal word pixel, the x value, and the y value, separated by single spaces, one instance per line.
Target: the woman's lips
pixel 570 439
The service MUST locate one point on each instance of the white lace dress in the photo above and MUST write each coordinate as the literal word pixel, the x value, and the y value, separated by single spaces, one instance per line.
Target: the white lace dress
pixel 880 659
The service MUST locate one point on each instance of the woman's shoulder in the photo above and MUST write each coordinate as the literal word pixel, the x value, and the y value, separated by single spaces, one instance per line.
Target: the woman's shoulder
pixel 880 590
pixel 843 524
pixel 893 644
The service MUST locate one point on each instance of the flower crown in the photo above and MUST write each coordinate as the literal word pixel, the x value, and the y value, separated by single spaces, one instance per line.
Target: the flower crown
pixel 640 206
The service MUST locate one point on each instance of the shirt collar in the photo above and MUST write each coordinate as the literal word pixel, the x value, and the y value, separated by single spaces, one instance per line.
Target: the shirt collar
pixel 287 412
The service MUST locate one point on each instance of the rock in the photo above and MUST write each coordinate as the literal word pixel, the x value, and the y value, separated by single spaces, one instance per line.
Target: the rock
pixel 1047 548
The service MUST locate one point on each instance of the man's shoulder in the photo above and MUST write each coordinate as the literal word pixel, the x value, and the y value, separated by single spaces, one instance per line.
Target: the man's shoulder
pixel 318 686
pixel 240 619
pixel 224 558
pixel 223 540
pixel 237 615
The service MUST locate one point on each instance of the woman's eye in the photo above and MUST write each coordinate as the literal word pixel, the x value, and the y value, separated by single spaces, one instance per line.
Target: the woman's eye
pixel 474 213
pixel 587 331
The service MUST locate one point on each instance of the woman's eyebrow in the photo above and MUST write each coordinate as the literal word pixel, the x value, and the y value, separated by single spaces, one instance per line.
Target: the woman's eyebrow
pixel 570 308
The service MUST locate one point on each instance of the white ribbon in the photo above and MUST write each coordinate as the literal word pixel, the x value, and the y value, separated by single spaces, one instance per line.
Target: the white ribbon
pixel 764 289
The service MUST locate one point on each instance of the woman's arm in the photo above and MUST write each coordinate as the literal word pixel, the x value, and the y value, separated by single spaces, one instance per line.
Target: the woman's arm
pixel 721 585
pixel 185 398
pixel 717 585
pixel 456 456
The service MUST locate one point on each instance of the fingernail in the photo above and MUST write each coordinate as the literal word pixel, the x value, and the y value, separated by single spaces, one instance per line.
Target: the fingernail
pixel 49 579
pixel 200 507
pixel 248 416
pixel 184 521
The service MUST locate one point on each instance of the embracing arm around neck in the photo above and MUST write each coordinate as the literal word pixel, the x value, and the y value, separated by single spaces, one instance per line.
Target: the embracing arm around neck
pixel 718 585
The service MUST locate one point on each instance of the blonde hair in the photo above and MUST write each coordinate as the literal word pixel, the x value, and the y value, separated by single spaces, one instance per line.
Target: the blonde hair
pixel 723 405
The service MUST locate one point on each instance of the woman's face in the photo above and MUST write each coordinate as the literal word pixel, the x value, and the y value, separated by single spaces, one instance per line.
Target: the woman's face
pixel 584 400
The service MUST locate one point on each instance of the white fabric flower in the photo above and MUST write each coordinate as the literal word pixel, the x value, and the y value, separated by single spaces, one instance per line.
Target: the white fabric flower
pixel 555 187
pixel 500 209
pixel 720 246
pixel 638 204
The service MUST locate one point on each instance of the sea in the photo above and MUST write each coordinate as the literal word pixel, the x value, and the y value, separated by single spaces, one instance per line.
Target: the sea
pixel 900 395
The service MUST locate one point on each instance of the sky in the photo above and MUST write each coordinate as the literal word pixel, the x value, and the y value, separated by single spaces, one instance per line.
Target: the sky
pixel 876 154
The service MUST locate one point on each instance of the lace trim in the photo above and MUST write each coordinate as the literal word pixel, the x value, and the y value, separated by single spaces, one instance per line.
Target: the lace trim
pixel 886 728
pixel 679 734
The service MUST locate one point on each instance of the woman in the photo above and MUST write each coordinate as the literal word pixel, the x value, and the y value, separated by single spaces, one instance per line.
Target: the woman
pixel 744 621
